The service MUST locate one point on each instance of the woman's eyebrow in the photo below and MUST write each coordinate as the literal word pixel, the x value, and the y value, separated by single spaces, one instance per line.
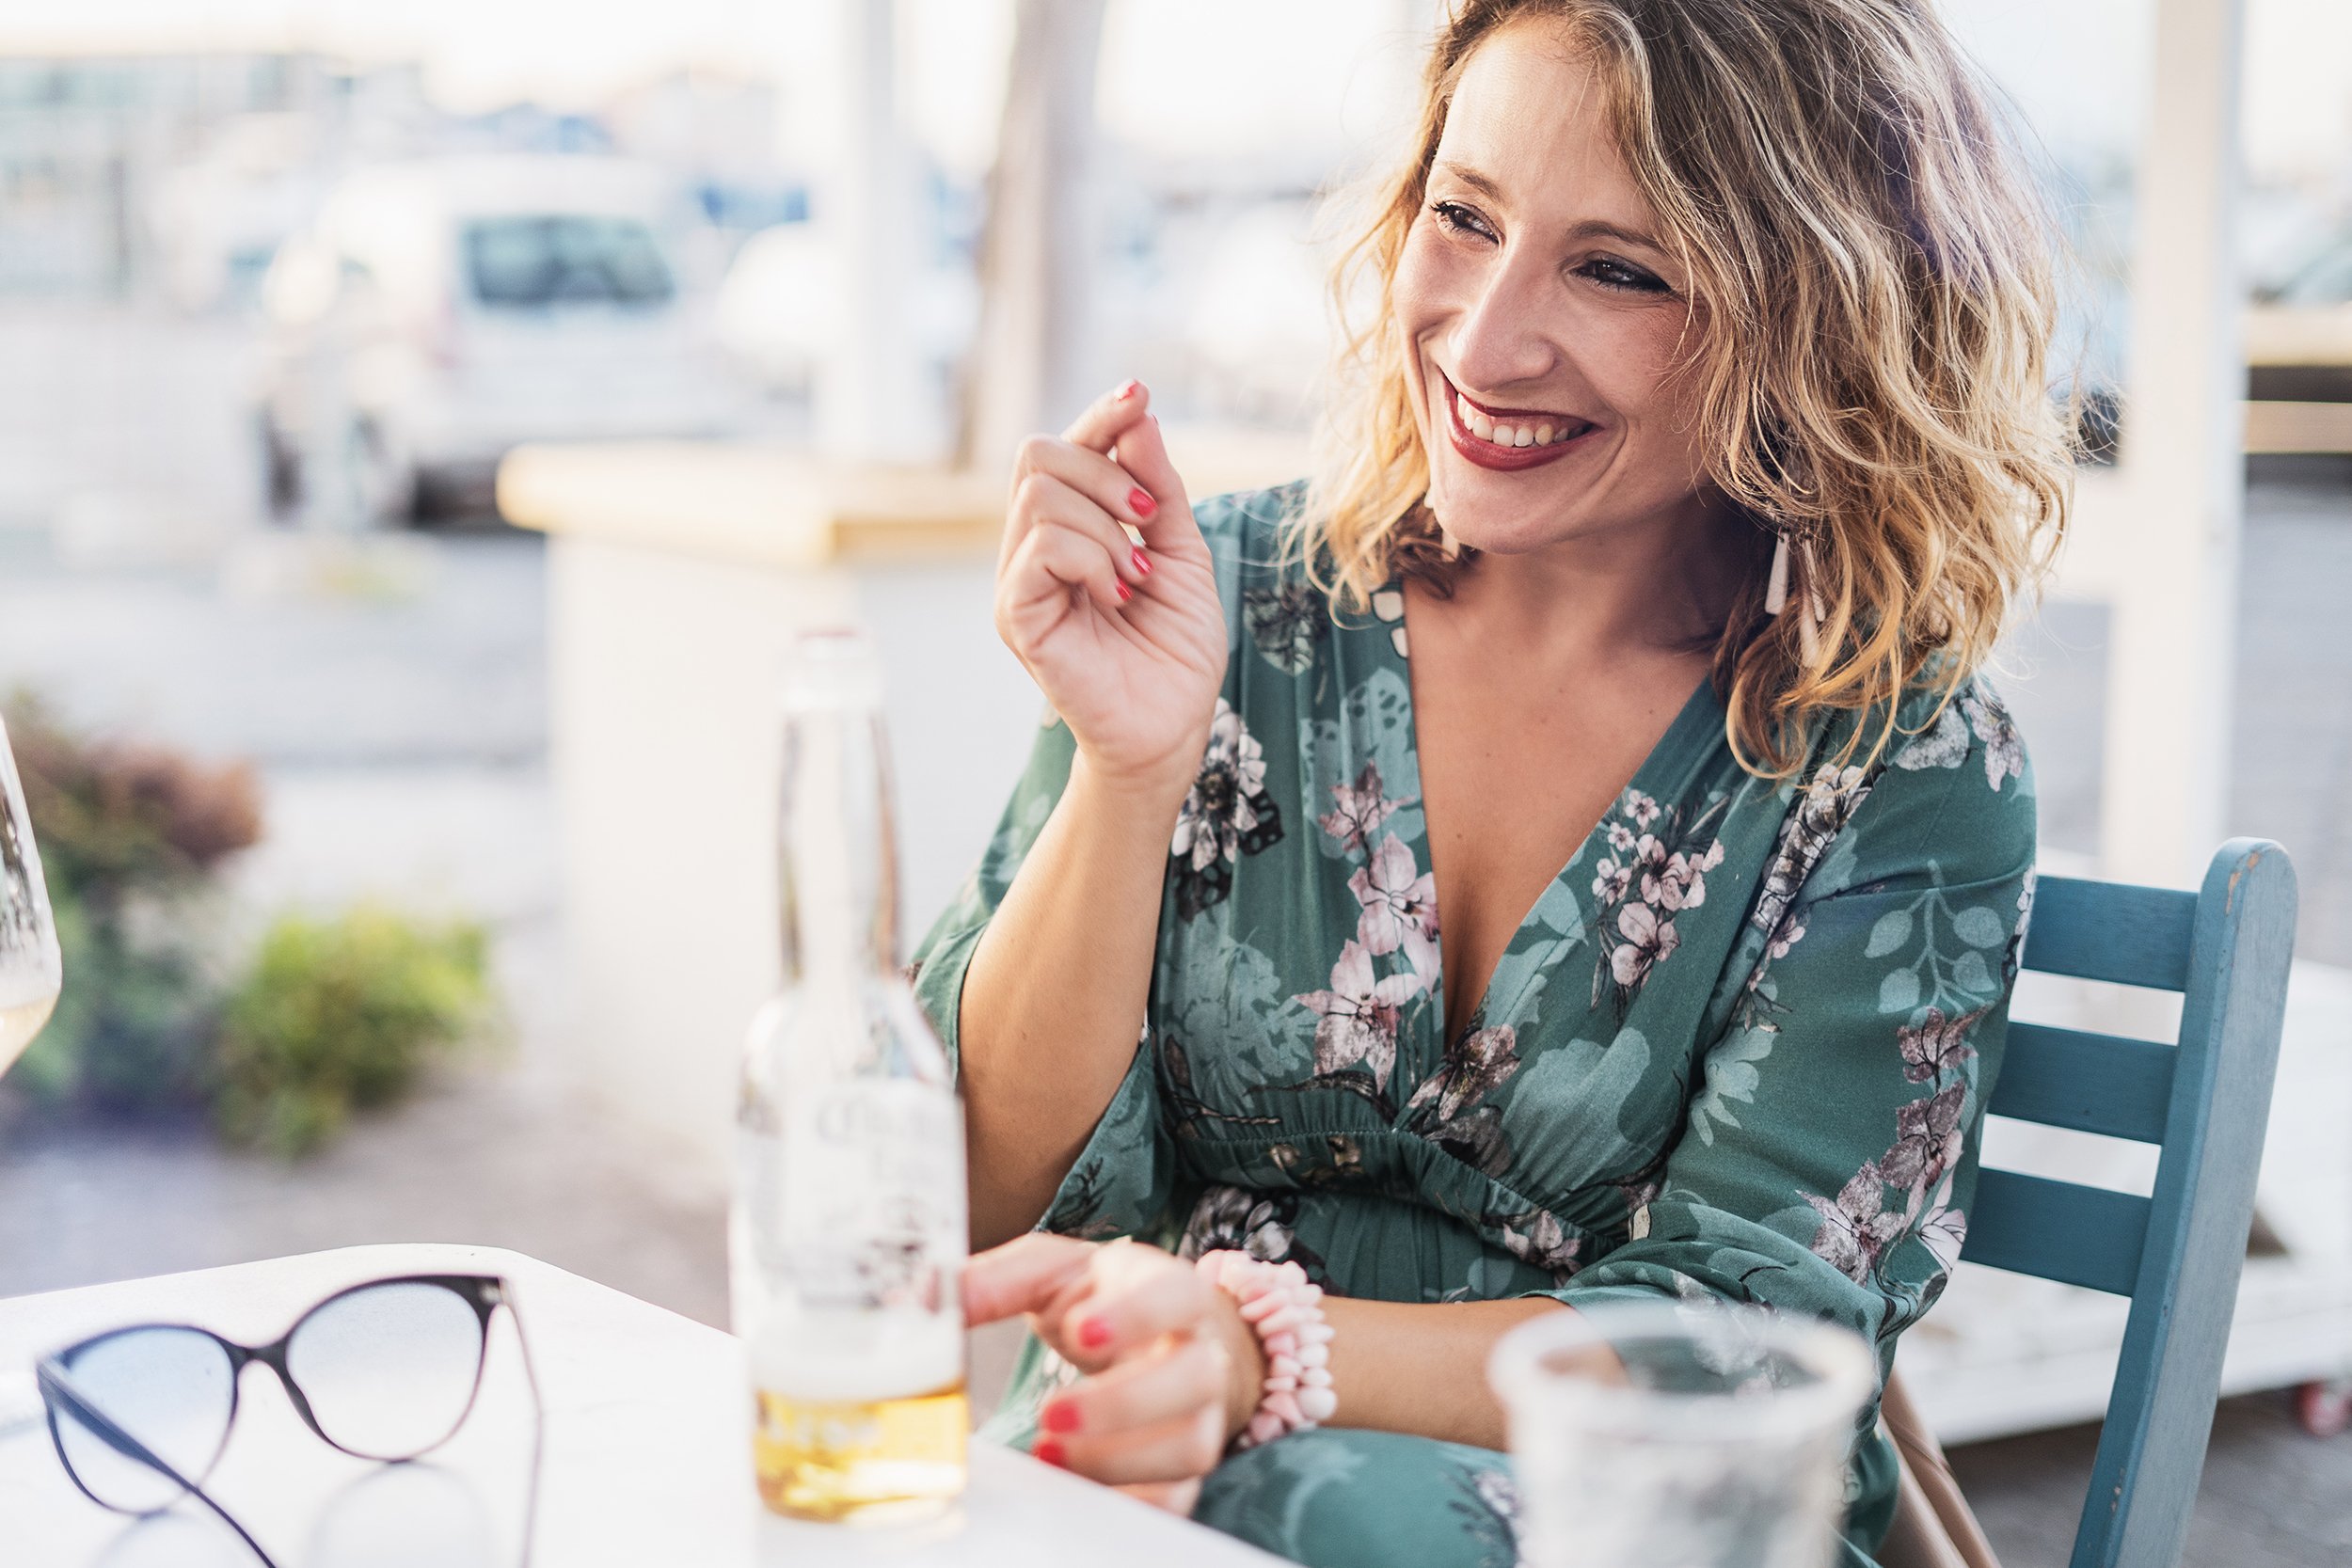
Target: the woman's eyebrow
pixel 1601 229
pixel 1471 178
pixel 1590 228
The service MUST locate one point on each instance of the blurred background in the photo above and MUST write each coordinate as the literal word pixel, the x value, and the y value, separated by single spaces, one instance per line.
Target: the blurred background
pixel 421 429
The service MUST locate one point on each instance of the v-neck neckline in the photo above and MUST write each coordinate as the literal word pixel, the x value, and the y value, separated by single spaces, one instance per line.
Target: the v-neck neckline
pixel 1671 746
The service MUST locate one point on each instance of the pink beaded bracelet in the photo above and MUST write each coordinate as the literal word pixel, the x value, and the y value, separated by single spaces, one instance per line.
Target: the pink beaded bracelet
pixel 1286 1311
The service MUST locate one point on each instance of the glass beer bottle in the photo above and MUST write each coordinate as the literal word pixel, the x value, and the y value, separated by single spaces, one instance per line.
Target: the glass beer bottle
pixel 846 1237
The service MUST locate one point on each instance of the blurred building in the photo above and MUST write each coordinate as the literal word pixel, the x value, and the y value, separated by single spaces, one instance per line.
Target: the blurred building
pixel 87 145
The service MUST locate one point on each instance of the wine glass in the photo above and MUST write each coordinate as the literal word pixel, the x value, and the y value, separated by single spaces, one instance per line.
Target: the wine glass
pixel 30 969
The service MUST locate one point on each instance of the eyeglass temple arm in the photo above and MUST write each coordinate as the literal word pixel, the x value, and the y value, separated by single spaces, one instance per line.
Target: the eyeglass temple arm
pixel 56 1385
pixel 538 1419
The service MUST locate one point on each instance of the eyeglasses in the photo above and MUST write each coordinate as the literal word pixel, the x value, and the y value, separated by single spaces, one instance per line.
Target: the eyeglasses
pixel 386 1371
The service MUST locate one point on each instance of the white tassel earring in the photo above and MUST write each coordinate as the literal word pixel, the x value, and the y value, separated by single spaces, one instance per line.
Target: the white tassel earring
pixel 1776 593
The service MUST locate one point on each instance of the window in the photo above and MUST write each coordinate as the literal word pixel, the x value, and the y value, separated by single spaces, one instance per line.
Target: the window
pixel 531 262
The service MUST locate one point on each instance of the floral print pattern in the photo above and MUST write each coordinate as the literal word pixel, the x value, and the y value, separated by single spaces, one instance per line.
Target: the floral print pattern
pixel 1400 905
pixel 1989 721
pixel 1858 1230
pixel 1357 810
pixel 1936 1044
pixel 1740 1048
pixel 1234 1219
pixel 1226 813
pixel 1855 1226
pixel 1545 1244
pixel 1487 1500
pixel 1446 1108
pixel 1645 880
pixel 1828 804
pixel 1388 608
pixel 1358 1017
pixel 1286 622
pixel 1475 1066
pixel 1188 1111
pixel 1941 745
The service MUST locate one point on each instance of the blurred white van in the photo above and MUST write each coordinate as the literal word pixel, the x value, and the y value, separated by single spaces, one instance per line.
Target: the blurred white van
pixel 439 312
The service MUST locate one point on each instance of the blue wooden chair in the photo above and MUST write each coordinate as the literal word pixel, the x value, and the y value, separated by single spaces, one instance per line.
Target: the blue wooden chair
pixel 2207 1101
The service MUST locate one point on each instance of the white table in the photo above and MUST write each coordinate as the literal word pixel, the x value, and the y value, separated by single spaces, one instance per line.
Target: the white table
pixel 646 1458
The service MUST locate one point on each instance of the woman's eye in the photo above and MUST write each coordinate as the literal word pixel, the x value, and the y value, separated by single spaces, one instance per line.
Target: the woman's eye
pixel 1611 274
pixel 1461 219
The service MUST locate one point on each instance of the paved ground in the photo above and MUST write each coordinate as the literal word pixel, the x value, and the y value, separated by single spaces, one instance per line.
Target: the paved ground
pixel 2272 1497
pixel 486 1157
pixel 396 700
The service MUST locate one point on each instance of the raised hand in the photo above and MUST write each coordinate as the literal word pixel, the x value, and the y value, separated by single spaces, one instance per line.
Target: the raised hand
pixel 1172 1371
pixel 1127 642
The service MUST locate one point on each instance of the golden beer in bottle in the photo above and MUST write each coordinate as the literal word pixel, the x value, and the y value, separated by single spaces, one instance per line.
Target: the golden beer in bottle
pixel 847 1236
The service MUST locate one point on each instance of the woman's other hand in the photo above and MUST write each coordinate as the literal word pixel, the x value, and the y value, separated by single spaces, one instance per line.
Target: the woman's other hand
pixel 1172 1372
pixel 1127 642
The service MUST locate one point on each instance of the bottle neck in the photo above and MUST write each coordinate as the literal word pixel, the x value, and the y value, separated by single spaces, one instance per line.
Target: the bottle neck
pixel 838 873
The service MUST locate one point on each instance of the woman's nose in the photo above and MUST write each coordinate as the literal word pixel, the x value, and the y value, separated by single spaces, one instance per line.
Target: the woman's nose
pixel 1499 341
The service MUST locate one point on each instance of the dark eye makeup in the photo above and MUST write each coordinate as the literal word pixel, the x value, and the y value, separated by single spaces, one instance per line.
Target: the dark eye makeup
pixel 1610 273
pixel 1606 271
pixel 1461 219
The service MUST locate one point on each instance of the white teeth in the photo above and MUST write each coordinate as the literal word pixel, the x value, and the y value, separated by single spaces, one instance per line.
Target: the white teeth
pixel 1486 428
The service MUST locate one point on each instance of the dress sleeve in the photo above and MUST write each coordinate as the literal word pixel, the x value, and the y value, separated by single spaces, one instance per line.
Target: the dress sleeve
pixel 1830 1154
pixel 1120 1181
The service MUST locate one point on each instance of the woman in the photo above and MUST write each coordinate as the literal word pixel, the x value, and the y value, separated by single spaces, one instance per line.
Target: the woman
pixel 1564 854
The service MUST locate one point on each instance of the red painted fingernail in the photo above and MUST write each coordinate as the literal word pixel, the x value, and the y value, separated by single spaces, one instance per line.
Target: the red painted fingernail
pixel 1125 592
pixel 1095 1332
pixel 1129 389
pixel 1062 1416
pixel 1143 563
pixel 1142 504
pixel 1046 1451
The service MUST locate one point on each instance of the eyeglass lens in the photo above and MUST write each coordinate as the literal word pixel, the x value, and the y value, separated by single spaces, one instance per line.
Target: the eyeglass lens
pixel 389 1369
pixel 172 1388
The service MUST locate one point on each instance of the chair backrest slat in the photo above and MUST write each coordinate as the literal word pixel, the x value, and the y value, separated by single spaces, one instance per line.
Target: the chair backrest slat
pixel 2133 936
pixel 2206 1100
pixel 2058 1231
pixel 2104 1083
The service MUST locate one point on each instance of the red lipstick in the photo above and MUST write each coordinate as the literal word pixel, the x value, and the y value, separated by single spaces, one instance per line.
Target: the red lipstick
pixel 1494 454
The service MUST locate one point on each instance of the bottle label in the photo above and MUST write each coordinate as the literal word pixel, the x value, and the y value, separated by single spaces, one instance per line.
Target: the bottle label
pixel 852 1216
pixel 857 1202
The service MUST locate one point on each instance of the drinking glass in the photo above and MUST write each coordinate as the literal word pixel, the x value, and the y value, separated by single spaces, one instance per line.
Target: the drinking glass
pixel 30 971
pixel 1681 1434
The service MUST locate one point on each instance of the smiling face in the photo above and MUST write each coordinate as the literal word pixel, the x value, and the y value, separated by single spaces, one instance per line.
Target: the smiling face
pixel 1542 318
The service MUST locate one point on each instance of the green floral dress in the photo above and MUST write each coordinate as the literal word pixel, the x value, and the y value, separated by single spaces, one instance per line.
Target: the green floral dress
pixel 1739 1049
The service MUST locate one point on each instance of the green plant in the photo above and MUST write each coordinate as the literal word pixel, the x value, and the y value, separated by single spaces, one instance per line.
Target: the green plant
pixel 329 1017
pixel 340 1015
pixel 131 837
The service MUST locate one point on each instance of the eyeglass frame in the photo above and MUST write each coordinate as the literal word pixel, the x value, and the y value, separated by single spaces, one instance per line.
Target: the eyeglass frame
pixel 484 1292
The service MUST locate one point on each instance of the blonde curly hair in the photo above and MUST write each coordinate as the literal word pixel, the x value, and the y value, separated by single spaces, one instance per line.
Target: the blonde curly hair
pixel 1876 277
